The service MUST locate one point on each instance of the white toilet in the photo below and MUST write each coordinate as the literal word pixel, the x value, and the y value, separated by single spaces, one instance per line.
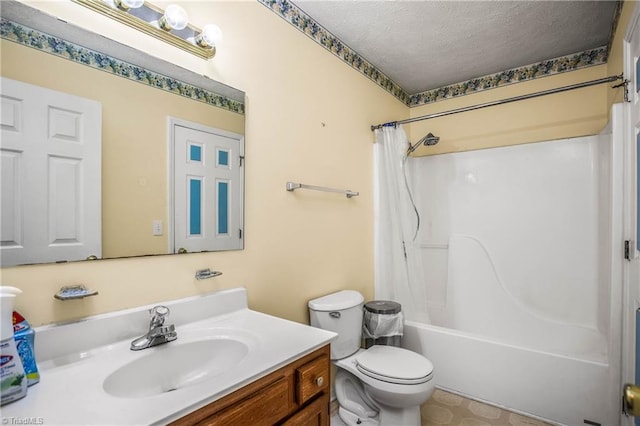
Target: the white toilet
pixel 382 385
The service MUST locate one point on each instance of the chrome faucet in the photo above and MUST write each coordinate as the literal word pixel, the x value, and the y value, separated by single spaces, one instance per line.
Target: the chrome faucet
pixel 158 332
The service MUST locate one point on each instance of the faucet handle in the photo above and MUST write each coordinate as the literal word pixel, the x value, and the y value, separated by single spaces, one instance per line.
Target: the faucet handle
pixel 159 310
pixel 158 313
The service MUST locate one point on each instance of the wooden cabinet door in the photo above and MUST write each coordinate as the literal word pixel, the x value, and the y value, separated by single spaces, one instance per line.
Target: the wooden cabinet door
pixel 315 414
pixel 265 407
pixel 298 391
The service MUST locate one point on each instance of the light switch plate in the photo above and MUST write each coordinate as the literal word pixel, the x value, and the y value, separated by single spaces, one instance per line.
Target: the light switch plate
pixel 157 227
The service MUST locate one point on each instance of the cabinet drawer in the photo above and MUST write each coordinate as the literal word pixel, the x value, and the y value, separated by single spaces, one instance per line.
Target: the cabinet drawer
pixel 266 406
pixel 312 378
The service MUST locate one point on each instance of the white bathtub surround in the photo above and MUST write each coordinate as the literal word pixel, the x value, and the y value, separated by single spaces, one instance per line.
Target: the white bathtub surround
pixel 75 360
pixel 549 386
pixel 399 271
pixel 522 253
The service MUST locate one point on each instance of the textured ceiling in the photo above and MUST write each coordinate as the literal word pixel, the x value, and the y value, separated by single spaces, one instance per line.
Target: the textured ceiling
pixel 423 45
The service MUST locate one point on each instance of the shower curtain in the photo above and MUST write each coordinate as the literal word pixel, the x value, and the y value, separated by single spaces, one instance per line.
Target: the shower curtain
pixel 398 261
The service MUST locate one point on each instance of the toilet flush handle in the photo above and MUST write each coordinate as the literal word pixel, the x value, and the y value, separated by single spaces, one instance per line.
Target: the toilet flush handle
pixel 334 314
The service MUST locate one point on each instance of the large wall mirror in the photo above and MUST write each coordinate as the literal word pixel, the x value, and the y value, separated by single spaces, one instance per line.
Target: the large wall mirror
pixel 143 101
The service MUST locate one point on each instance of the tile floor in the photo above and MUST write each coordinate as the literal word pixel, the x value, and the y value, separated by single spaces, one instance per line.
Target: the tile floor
pixel 448 409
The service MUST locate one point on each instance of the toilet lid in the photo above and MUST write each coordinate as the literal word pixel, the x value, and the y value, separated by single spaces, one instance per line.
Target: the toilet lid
pixel 394 365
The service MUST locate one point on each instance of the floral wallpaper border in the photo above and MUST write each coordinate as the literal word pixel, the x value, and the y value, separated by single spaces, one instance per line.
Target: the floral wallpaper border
pixel 56 46
pixel 517 75
pixel 296 17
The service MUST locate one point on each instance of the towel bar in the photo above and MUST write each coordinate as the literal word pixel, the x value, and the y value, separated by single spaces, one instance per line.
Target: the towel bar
pixel 291 186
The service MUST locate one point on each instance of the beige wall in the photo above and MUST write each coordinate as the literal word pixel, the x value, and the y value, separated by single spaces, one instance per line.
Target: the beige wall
pixel 308 117
pixel 615 62
pixel 298 245
pixel 568 114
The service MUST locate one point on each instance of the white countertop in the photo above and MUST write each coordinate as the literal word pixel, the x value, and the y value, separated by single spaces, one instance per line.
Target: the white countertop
pixel 71 390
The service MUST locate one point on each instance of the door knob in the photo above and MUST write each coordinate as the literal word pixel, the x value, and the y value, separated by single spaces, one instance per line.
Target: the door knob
pixel 631 400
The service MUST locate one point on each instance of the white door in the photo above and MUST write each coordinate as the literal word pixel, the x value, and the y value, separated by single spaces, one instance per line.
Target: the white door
pixel 631 315
pixel 50 151
pixel 207 188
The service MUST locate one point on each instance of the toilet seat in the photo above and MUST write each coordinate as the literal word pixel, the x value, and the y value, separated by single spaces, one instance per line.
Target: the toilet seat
pixel 394 365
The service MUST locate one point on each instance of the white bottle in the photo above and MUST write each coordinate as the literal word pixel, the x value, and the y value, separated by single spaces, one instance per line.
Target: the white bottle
pixel 13 382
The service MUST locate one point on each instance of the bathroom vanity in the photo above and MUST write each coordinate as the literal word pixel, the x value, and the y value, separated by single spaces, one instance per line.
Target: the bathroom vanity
pixel 229 365
pixel 297 394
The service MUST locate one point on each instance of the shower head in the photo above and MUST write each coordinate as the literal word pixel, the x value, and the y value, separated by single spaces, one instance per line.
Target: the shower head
pixel 428 140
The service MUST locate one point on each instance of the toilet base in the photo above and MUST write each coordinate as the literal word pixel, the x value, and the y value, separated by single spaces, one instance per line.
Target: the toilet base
pixel 390 416
pixel 383 404
pixel 387 417
pixel 351 419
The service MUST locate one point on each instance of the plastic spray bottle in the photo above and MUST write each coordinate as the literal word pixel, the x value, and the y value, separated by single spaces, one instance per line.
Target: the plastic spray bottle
pixel 13 382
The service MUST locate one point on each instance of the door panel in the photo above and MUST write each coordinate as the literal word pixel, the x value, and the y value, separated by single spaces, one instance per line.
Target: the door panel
pixel 631 212
pixel 207 189
pixel 10 165
pixel 56 160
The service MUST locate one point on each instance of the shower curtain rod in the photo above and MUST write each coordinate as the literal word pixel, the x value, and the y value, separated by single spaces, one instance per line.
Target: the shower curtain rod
pixel 505 101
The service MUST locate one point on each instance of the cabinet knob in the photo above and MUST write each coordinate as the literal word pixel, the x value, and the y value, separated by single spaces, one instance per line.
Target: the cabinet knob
pixel 320 381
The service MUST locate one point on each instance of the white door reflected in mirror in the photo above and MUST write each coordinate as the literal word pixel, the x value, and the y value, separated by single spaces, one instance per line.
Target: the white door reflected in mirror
pixel 207 185
pixel 50 148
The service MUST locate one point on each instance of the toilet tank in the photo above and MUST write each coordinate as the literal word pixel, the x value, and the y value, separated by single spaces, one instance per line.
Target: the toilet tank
pixel 341 313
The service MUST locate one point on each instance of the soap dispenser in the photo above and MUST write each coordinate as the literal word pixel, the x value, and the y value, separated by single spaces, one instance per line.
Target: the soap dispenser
pixel 13 383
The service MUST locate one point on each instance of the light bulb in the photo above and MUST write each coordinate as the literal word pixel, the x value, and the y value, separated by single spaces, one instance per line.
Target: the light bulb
pixel 129 4
pixel 210 36
pixel 174 18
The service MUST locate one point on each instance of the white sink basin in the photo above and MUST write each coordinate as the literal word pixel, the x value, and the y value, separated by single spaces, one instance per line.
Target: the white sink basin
pixel 175 365
pixel 89 376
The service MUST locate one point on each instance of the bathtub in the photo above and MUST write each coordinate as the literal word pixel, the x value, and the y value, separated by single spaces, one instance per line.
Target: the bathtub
pixel 523 276
pixel 492 347
pixel 555 388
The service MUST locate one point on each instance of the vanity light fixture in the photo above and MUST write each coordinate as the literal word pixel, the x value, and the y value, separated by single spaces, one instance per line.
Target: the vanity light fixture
pixel 174 18
pixel 128 4
pixel 170 25
pixel 211 35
